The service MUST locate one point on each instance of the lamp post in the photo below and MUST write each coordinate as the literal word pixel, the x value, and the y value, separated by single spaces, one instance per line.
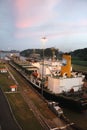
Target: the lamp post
pixel 43 40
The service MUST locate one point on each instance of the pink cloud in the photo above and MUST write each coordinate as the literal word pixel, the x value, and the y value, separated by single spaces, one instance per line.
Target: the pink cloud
pixel 30 13
pixel 23 24
pixel 20 5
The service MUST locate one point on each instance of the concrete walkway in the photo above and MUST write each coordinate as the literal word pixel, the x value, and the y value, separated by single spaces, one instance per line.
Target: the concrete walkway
pixel 7 121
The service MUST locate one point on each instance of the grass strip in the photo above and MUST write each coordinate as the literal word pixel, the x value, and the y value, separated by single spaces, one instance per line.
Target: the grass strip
pixel 22 112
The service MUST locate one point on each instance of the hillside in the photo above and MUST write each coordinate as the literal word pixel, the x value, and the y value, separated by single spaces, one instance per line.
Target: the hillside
pixel 80 54
pixel 48 52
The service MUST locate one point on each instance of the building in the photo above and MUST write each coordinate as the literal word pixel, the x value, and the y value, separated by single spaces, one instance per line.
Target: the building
pixel 13 88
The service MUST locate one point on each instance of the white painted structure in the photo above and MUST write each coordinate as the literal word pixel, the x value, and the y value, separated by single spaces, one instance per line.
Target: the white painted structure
pixel 3 70
pixel 48 68
pixel 58 85
pixel 13 88
pixel 58 82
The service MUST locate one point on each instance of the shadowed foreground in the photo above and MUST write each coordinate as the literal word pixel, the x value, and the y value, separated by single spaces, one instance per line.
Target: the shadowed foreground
pixel 7 121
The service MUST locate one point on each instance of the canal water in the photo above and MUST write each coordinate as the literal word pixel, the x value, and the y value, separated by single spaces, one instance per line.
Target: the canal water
pixel 4 54
pixel 80 118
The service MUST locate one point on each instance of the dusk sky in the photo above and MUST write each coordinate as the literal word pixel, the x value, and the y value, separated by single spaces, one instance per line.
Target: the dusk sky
pixel 24 22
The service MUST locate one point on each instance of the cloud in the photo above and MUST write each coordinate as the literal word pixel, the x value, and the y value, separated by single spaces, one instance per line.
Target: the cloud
pixel 30 13
pixel 52 30
pixel 34 17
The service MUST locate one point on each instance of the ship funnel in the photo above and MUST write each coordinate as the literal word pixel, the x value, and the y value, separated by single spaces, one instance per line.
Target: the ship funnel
pixel 66 65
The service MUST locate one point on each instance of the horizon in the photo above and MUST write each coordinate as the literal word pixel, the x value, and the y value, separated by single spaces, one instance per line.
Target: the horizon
pixel 40 48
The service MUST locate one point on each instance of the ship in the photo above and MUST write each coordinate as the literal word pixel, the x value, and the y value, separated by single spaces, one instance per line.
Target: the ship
pixel 55 80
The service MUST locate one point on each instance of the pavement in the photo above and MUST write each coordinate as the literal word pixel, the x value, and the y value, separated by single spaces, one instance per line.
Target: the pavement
pixel 7 121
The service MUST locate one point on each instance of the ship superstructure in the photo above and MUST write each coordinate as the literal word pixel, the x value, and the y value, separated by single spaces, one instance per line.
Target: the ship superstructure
pixel 55 80
pixel 59 75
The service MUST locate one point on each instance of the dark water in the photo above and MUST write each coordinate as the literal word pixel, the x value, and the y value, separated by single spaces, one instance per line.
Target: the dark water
pixel 76 117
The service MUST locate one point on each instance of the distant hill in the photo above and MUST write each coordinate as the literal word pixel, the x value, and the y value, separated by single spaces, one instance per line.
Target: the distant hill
pixel 80 54
pixel 48 52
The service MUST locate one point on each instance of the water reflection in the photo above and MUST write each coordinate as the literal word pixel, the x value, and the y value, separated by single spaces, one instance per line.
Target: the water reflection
pixel 79 118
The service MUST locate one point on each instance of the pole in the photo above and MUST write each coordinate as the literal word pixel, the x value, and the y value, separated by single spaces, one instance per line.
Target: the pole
pixel 43 39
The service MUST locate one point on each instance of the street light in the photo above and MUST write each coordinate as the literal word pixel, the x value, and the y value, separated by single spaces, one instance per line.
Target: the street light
pixel 43 40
